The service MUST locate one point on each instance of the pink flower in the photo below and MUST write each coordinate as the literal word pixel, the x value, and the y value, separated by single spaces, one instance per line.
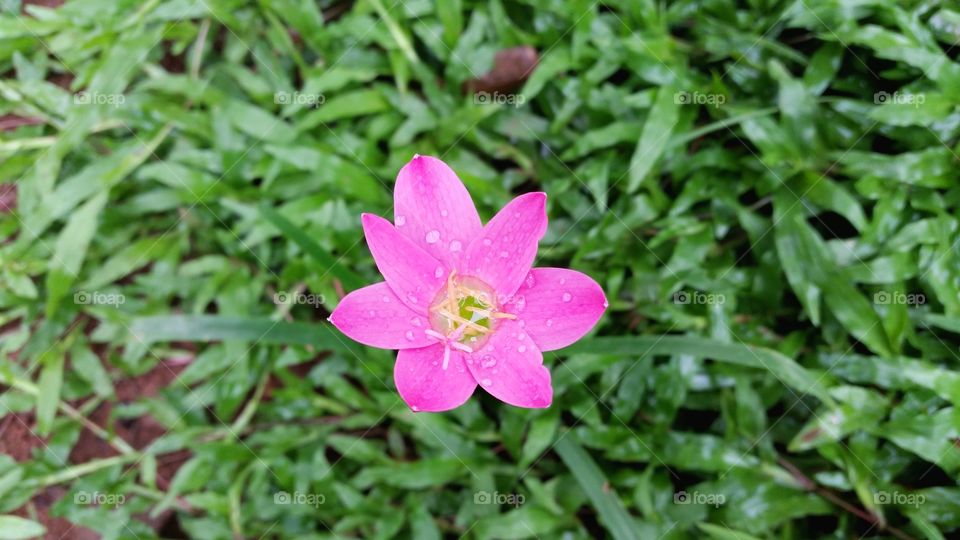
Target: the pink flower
pixel 460 300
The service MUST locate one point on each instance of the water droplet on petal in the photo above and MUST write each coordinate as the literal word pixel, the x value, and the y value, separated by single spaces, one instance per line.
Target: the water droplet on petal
pixel 549 322
pixel 487 241
pixel 401 221
pixel 412 298
pixel 504 254
pixel 530 281
pixel 444 213
pixel 522 336
pixel 489 361
pixel 567 297
pixel 432 236
pixel 438 272
pixel 386 299
pixel 409 335
pixel 455 245
pixel 415 408
pixel 563 280
pixel 415 321
pixel 522 348
pixel 371 313
pixel 486 382
pixel 605 304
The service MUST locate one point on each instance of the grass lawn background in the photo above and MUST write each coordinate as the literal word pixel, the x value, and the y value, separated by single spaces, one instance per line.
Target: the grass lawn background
pixel 766 190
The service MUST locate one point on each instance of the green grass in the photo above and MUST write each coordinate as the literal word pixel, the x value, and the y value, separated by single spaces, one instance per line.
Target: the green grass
pixel 768 192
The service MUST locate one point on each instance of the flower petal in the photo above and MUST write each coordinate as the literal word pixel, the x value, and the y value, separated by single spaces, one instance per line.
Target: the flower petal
pixel 365 316
pixel 412 273
pixel 503 253
pixel 425 385
pixel 557 306
pixel 434 210
pixel 510 367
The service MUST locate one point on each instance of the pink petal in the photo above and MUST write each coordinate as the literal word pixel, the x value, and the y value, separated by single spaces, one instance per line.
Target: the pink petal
pixel 503 253
pixel 510 367
pixel 425 385
pixel 434 210
pixel 557 306
pixel 365 316
pixel 414 275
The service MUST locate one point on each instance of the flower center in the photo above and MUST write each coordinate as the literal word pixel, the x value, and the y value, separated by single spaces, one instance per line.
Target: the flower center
pixel 464 314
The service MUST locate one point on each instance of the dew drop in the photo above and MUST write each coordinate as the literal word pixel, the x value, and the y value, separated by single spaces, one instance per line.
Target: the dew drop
pixel 605 304
pixel 549 322
pixel 455 245
pixel 436 362
pixel 386 299
pixel 415 408
pixel 567 297
pixel 486 382
pixel 371 313
pixel 401 221
pixel 487 241
pixel 415 321
pixel 432 236
pixel 504 254
pixel 522 348
pixel 412 298
pixel 444 213
pixel 409 335
pixel 522 336
pixel 438 272
pixel 488 361
pixel 530 281
pixel 563 280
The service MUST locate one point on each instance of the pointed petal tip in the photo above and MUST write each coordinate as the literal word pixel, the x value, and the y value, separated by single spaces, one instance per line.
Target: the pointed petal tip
pixel 421 160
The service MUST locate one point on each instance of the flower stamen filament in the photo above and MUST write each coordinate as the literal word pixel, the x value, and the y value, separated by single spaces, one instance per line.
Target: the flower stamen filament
pixel 464 313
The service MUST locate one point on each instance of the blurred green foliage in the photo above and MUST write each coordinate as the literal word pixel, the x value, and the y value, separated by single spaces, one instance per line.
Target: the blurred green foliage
pixel 767 190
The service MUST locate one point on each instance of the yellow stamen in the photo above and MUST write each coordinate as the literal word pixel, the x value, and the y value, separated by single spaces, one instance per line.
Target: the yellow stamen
pixel 452 291
pixel 491 314
pixel 464 322
pixel 485 312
